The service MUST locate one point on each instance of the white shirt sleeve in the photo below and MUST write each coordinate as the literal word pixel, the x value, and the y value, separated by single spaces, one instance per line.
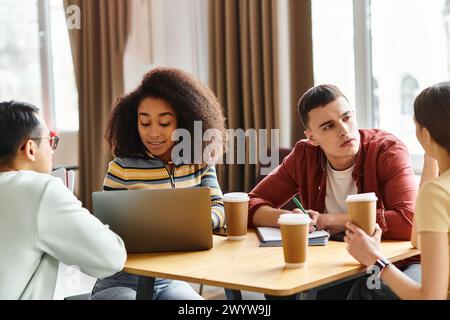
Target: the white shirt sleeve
pixel 70 234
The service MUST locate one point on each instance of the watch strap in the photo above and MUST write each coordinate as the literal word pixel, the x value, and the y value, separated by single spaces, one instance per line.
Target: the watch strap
pixel 382 263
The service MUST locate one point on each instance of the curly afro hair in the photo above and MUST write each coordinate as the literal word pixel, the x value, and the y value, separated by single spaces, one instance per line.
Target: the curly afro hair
pixel 191 100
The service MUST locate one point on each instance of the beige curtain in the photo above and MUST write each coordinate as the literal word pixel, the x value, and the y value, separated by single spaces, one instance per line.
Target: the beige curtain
pixel 244 70
pixel 301 61
pixel 97 50
pixel 242 56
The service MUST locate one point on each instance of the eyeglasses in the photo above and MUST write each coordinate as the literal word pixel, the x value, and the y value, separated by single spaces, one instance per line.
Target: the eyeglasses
pixel 52 140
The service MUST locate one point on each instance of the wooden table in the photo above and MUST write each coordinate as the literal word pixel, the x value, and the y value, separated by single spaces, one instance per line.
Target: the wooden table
pixel 243 265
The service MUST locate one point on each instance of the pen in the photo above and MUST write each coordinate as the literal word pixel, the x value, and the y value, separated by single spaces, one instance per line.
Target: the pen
pixel 299 205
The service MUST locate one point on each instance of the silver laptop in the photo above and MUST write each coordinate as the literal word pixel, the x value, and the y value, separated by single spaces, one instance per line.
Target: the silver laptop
pixel 158 220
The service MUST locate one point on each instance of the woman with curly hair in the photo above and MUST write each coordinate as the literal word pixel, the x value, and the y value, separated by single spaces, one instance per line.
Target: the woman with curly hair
pixel 140 132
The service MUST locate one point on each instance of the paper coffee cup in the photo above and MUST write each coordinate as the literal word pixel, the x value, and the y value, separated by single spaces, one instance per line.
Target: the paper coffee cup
pixel 294 235
pixel 362 209
pixel 236 214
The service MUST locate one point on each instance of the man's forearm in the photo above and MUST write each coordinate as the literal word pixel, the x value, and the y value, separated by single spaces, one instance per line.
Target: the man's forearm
pixel 267 216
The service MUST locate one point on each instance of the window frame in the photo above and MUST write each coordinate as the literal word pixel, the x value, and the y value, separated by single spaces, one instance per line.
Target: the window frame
pixel 47 75
pixel 363 63
pixel 364 90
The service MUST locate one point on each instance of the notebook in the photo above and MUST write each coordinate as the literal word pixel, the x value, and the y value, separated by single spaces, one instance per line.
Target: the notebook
pixel 271 237
pixel 67 177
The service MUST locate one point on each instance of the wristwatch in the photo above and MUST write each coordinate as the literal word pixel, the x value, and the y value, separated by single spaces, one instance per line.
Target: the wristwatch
pixel 381 264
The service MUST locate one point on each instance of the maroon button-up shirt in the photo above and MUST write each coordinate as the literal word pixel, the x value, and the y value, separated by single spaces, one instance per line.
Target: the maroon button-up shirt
pixel 382 166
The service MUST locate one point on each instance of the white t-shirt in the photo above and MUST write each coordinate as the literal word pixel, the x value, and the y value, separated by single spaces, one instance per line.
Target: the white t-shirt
pixel 42 223
pixel 339 185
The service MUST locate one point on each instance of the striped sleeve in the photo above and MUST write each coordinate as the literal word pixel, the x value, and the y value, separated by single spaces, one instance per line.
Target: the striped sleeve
pixel 115 178
pixel 209 179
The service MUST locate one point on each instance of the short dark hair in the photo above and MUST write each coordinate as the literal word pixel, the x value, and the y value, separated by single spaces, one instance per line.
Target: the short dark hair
pixel 191 100
pixel 432 111
pixel 18 121
pixel 315 97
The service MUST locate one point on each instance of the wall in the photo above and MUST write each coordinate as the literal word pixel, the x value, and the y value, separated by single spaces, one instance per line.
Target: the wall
pixel 67 152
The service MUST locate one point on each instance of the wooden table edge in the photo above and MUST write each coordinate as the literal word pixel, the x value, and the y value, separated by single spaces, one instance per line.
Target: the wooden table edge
pixel 275 292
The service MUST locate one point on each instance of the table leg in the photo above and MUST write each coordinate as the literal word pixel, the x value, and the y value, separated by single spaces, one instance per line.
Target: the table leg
pixel 312 293
pixel 307 295
pixel 233 294
pixel 145 289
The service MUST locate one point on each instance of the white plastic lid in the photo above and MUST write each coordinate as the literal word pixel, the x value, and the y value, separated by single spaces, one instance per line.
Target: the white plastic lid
pixel 235 197
pixel 362 197
pixel 294 218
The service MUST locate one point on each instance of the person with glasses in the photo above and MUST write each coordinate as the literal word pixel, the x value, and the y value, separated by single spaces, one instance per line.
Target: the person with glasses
pixel 41 221
pixel 53 140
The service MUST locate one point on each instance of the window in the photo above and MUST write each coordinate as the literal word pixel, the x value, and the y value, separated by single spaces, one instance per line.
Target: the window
pixel 20 67
pixel 332 28
pixel 409 90
pixel 376 104
pixel 36 62
pixel 65 94
pixel 410 53
pixel 398 48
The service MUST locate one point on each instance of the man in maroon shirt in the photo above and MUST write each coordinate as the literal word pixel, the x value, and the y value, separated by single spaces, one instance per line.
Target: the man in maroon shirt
pixel 335 160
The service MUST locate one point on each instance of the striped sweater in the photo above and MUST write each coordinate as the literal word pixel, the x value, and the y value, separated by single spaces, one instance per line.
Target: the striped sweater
pixel 134 173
